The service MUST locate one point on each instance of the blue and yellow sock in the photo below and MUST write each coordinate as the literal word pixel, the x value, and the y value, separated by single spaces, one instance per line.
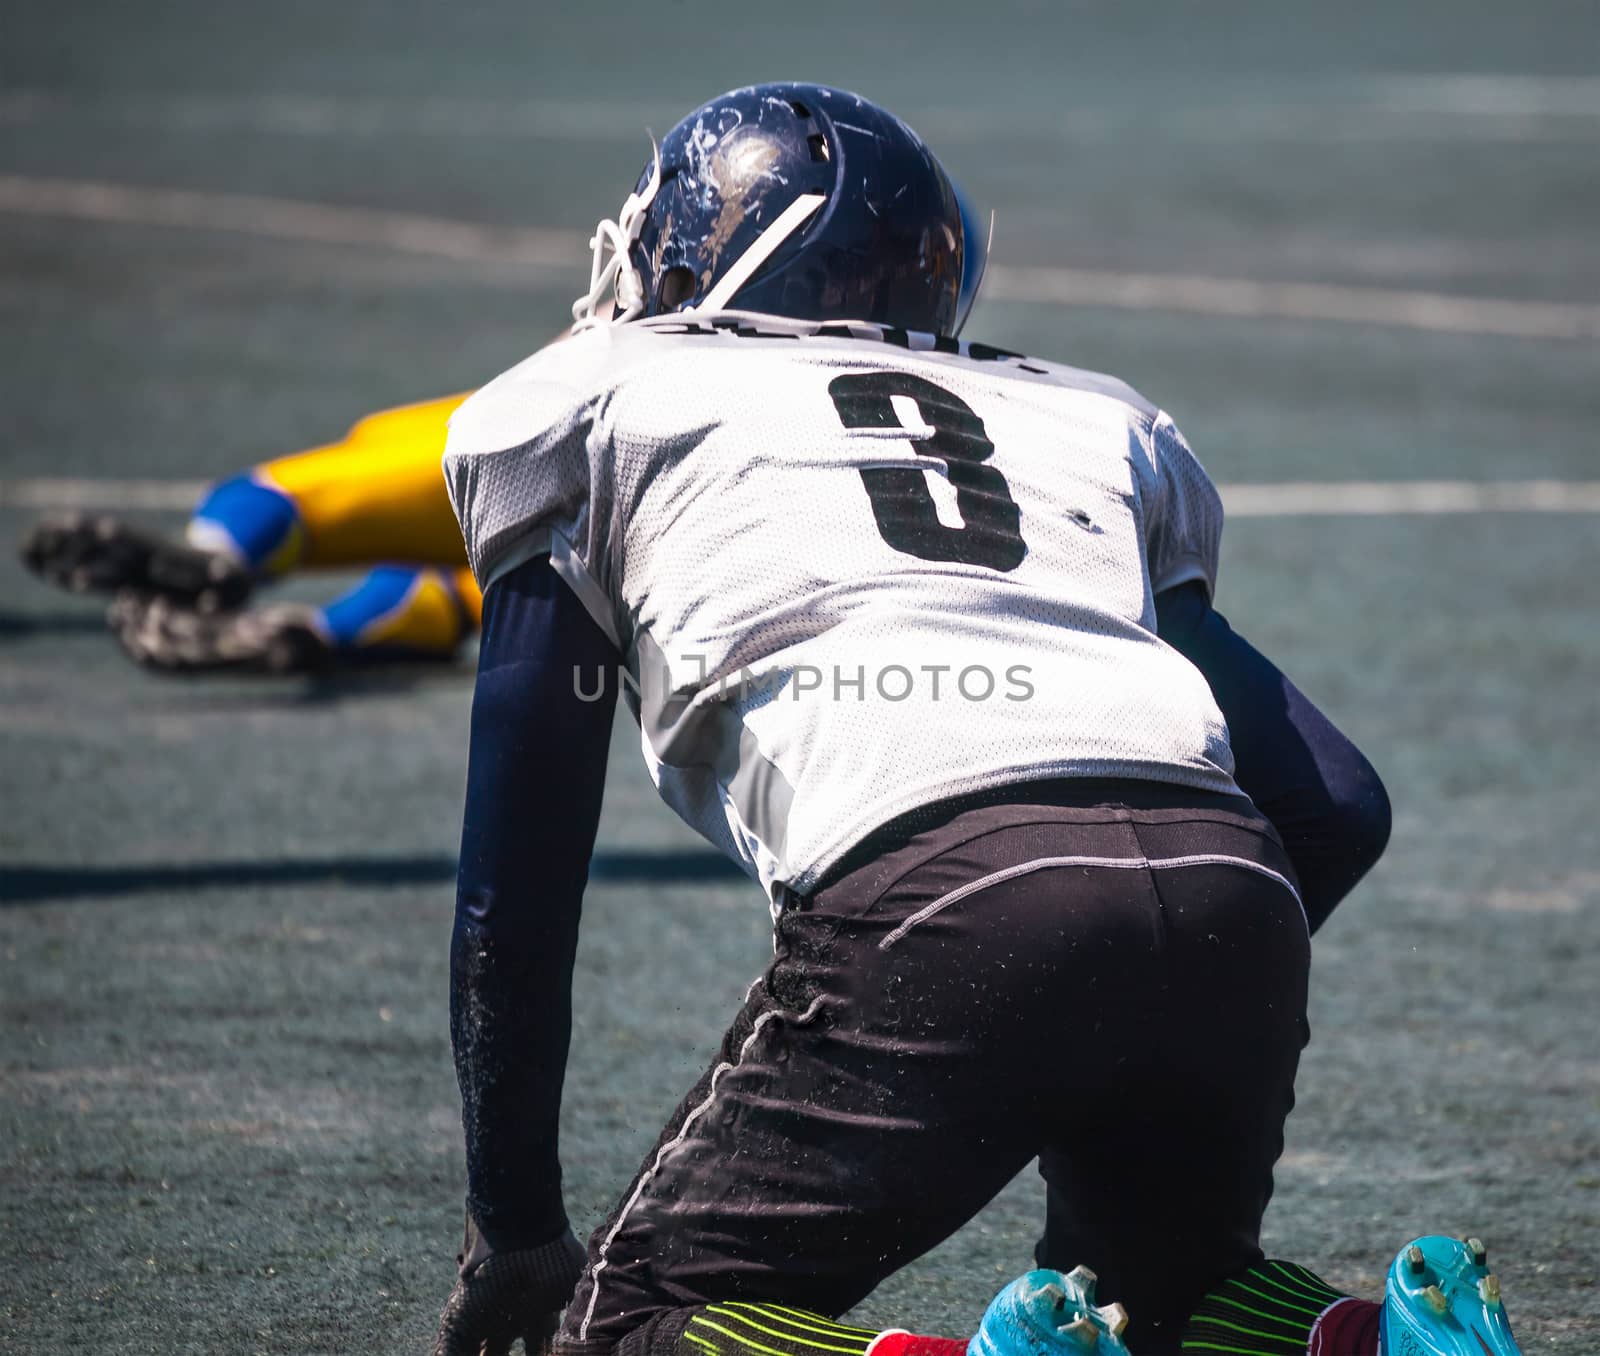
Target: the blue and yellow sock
pixel 400 611
pixel 253 523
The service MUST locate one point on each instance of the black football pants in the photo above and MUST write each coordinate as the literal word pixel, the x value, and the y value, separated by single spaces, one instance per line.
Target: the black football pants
pixel 1118 989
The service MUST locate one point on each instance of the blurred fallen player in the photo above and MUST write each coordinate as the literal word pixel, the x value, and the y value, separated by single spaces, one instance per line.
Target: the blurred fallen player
pixel 375 498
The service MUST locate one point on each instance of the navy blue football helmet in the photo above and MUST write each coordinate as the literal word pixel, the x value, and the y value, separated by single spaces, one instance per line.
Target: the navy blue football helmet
pixel 792 200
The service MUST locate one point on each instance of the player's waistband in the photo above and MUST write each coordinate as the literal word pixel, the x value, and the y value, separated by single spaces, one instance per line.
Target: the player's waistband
pixel 931 828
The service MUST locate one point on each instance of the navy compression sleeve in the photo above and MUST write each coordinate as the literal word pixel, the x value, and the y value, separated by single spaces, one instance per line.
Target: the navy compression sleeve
pixel 1323 797
pixel 535 773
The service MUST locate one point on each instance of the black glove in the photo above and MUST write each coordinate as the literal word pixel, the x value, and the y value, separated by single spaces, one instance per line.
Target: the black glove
pixel 501 1296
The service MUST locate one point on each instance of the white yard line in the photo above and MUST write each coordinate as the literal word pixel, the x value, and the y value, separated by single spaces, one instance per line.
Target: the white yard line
pixel 282 219
pixel 1290 499
pixel 1356 498
pixel 1257 300
pixel 1477 94
pixel 345 115
pixel 560 251
pixel 1430 107
pixel 62 494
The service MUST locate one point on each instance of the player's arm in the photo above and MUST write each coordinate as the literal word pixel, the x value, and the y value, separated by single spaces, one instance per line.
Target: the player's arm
pixel 535 774
pixel 1324 798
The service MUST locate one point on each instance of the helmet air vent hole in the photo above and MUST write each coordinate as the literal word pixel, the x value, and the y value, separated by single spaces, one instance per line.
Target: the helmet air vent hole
pixel 677 287
pixel 800 110
pixel 819 147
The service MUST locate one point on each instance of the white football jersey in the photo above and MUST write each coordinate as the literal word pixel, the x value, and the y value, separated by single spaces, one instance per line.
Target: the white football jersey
pixel 852 571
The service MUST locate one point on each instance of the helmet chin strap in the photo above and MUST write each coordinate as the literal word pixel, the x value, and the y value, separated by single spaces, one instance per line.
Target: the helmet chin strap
pixel 789 221
pixel 617 271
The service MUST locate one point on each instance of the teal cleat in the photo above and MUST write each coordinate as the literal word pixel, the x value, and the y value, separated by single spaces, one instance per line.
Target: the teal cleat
pixel 1441 1299
pixel 1047 1314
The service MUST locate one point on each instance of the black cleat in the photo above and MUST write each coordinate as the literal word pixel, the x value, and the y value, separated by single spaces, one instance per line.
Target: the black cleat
pixel 281 639
pixel 105 555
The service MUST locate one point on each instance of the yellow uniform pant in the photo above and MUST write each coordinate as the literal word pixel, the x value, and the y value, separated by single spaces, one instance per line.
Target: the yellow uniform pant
pixel 376 497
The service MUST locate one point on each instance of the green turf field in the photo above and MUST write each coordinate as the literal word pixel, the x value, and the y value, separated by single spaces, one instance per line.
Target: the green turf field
pixel 227 1113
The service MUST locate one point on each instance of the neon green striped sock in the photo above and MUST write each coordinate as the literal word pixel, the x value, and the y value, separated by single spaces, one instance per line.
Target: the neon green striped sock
pixel 1266 1311
pixel 740 1329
